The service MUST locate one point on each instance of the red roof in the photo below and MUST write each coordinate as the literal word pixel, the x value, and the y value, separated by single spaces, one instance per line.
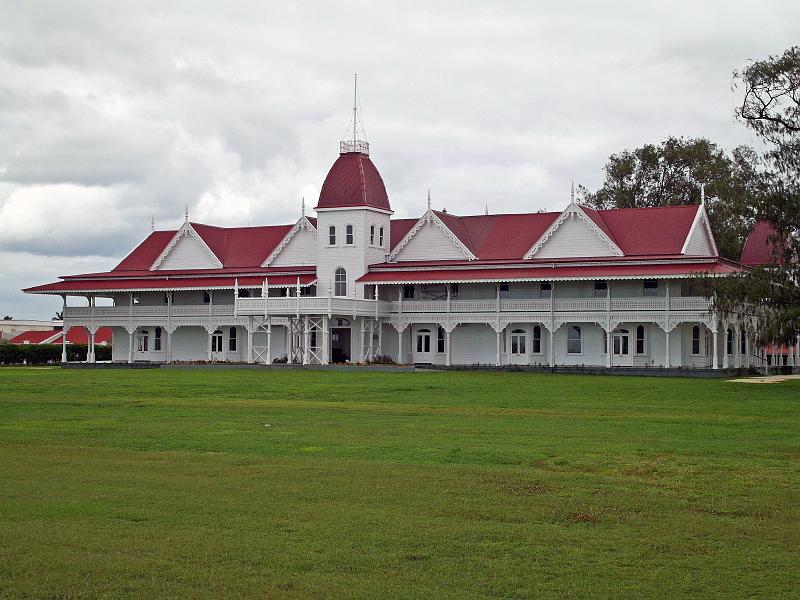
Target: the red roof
pixel 235 247
pixel 167 283
pixel 353 181
pixel 759 249
pixel 34 337
pixel 637 231
pixel 549 273
pixel 75 335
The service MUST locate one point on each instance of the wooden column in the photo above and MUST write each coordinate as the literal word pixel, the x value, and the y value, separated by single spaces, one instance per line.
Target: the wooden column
pixel 130 346
pixel 497 359
pixel 400 346
pixel 725 359
pixel 447 347
pixel 666 348
pixel 249 340
pixel 714 346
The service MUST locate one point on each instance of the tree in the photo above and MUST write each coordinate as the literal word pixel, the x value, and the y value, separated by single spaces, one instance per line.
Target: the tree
pixel 771 108
pixel 59 316
pixel 672 173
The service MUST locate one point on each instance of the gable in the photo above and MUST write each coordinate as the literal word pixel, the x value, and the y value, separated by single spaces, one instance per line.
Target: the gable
pixel 301 249
pixel 429 242
pixel 573 238
pixel 187 252
pixel 700 242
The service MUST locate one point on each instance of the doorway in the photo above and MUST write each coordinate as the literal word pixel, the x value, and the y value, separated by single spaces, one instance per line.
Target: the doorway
pixel 422 347
pixel 621 348
pixel 340 344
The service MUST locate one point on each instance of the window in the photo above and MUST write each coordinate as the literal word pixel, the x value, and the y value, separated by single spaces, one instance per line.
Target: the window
pixel 640 339
pixel 440 340
pixel 232 340
pixel 454 291
pixel 216 341
pixel 604 350
pixel 729 341
pixel 157 340
pixel 424 340
pixel 743 341
pixel 546 290
pixel 504 291
pixel 332 235
pixel 308 291
pixel 244 293
pixel 370 292
pixel 537 339
pixel 372 235
pixel 650 287
pixel 518 341
pixel 408 292
pixel 340 282
pixel 696 339
pixel 574 339
pixel 600 289
pixel 348 236
pixel 380 237
pixel 206 298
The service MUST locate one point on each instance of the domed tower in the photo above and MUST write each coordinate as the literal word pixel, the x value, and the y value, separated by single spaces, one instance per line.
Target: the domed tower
pixel 352 218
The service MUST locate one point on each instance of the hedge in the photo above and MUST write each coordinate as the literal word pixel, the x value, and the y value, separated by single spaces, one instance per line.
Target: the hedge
pixel 42 354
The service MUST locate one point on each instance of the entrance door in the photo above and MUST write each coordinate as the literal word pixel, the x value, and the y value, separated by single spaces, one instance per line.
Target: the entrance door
pixel 216 345
pixel 340 344
pixel 422 348
pixel 143 345
pixel 621 349
pixel 519 347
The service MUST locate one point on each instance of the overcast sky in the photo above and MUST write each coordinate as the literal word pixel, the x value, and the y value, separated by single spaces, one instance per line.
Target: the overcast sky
pixel 113 113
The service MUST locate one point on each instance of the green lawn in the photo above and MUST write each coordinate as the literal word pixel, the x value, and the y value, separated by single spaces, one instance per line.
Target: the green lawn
pixel 291 484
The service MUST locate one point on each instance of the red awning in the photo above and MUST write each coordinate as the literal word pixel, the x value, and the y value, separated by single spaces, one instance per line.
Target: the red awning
pixel 636 271
pixel 76 286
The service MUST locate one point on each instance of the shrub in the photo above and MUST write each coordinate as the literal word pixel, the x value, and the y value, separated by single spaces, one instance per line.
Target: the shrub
pixel 382 359
pixel 42 354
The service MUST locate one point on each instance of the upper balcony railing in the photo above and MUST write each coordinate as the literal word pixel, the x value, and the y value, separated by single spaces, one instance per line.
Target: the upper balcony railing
pixel 308 305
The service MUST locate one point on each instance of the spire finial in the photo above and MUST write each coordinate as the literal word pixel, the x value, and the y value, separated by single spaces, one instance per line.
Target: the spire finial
pixel 152 223
pixel 486 210
pixel 355 144
pixel 303 207
pixel 702 194
pixel 355 105
pixel 186 213
pixel 572 193
pixel 429 199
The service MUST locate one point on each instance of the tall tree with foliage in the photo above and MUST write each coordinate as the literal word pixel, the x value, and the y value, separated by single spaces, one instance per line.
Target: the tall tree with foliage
pixel 771 108
pixel 672 172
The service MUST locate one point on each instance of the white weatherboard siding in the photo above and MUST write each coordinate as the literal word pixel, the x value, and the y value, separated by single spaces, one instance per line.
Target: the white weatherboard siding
pixel 300 251
pixel 187 253
pixel 573 238
pixel 700 243
pixel 430 243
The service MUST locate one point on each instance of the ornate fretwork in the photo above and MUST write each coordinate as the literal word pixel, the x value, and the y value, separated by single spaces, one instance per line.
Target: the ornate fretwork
pixel 574 210
pixel 185 230
pixel 301 225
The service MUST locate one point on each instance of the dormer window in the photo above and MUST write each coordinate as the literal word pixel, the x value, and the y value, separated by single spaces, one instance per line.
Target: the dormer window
pixel 380 237
pixel 372 235
pixel 332 235
pixel 349 238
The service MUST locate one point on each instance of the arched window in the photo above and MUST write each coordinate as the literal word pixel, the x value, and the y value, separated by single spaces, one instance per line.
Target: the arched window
pixel 518 341
pixel 729 341
pixel 372 235
pixel 537 339
pixel 157 340
pixel 332 235
pixel 743 341
pixel 380 237
pixel 440 340
pixel 232 340
pixel 348 235
pixel 696 339
pixel 340 282
pixel 640 339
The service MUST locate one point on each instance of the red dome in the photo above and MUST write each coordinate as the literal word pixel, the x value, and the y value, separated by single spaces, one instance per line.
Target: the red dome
pixel 353 181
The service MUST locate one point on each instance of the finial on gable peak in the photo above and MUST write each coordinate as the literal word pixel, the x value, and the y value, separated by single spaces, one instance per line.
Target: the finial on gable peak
pixel 486 210
pixel 572 193
pixel 152 223
pixel 702 194
pixel 429 198
pixel 186 213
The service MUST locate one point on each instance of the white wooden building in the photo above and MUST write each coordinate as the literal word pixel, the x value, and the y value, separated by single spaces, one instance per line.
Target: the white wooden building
pixel 610 288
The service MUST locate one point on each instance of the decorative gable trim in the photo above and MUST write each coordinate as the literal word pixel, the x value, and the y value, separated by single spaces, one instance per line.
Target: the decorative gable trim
pixel 700 221
pixel 574 210
pixel 302 224
pixel 430 217
pixel 186 230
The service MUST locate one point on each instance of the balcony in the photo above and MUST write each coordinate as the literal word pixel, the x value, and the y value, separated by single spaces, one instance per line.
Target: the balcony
pixel 299 306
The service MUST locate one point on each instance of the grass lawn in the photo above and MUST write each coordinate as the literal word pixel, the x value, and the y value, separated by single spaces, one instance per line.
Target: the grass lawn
pixel 291 484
